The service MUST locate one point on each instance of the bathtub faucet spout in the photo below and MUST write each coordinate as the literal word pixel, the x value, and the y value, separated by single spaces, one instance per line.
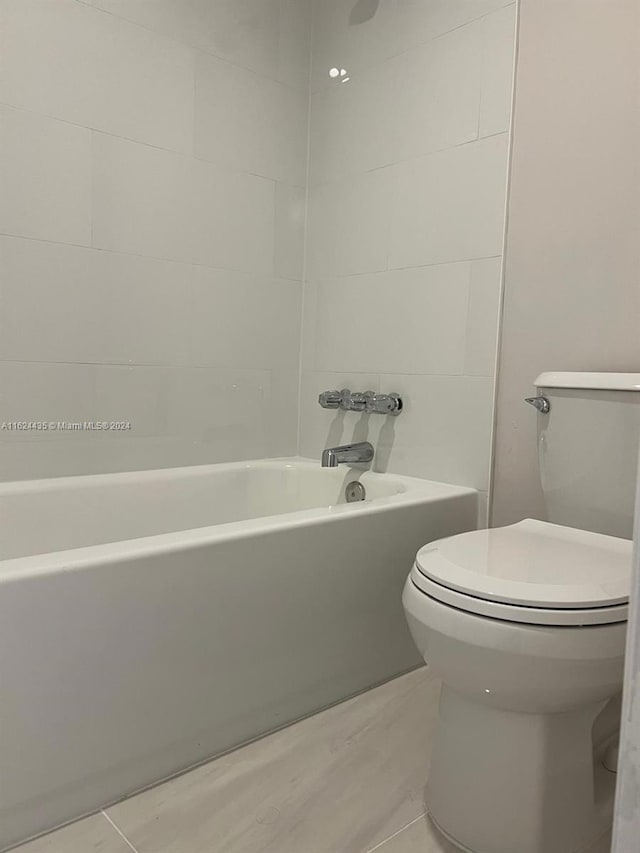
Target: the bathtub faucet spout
pixel 351 453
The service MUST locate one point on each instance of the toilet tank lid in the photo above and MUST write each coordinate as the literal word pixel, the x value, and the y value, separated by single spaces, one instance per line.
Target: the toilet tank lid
pixel 592 381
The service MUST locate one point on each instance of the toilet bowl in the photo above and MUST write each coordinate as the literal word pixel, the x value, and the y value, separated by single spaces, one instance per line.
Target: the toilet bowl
pixel 525 625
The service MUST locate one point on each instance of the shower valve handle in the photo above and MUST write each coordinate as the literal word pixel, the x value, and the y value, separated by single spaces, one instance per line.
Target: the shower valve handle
pixel 330 399
pixel 355 401
pixel 383 404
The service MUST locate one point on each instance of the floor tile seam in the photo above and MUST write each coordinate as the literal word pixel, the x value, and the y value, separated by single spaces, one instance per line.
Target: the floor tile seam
pixel 396 833
pixel 118 830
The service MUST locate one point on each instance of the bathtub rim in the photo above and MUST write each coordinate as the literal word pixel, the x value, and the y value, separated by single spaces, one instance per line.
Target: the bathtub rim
pixel 418 491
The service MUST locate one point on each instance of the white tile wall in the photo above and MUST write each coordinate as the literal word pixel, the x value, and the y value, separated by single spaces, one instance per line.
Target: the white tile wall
pixel 44 393
pixel 265 122
pixel 414 321
pixel 417 22
pixel 63 59
pixel 349 131
pixel 157 203
pixel 445 432
pixel 45 178
pixel 482 319
pixel 450 205
pixel 497 70
pixel 245 32
pixel 71 304
pixel 262 313
pixel 355 46
pixel 294 44
pixel 152 172
pixel 349 225
pixel 406 220
pixel 290 223
pixel 439 87
pixel 157 226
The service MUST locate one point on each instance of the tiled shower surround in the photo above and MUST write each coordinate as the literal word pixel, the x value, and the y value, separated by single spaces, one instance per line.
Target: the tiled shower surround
pixel 202 229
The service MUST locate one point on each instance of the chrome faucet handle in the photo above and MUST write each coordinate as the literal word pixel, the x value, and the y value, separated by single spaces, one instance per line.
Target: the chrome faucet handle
pixel 357 402
pixel 330 399
pixel 354 401
pixel 383 404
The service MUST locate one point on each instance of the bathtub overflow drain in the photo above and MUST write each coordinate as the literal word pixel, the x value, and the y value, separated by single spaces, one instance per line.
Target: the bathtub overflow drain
pixel 355 492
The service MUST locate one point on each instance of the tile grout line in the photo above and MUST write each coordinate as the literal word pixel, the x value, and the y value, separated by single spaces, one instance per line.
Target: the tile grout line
pixel 402 829
pixel 119 831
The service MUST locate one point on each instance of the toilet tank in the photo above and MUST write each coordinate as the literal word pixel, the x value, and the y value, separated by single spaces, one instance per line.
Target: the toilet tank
pixel 588 449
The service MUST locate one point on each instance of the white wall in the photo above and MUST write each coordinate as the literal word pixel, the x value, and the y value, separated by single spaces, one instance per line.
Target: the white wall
pixel 152 180
pixel 572 291
pixel 408 163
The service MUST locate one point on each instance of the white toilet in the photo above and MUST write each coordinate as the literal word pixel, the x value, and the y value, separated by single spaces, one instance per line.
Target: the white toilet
pixel 525 625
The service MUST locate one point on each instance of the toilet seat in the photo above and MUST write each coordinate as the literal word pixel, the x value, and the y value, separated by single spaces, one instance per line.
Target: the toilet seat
pixel 532 572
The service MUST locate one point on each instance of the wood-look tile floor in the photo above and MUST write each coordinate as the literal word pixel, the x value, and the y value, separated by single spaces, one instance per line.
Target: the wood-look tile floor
pixel 347 780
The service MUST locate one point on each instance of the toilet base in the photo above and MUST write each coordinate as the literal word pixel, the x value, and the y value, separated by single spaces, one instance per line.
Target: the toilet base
pixel 502 781
pixel 454 841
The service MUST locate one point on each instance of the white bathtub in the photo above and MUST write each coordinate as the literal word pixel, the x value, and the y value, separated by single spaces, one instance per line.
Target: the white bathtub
pixel 151 620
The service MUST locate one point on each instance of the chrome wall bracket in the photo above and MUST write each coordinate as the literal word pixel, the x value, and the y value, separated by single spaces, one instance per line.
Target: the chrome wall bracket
pixel 355 401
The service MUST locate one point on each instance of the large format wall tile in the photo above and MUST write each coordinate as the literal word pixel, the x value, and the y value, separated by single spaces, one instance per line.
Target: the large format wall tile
pixel 444 433
pixel 67 60
pixel 353 126
pixel 164 205
pixel 294 45
pixel 418 21
pixel 231 414
pixel 346 35
pixel 439 93
pixel 348 225
pixel 45 178
pixel 249 123
pixel 249 33
pixel 483 317
pixel 244 321
pixel 497 70
pixel 133 394
pixel 178 416
pixel 290 222
pixel 449 206
pixel 34 392
pixel 70 304
pixel 413 321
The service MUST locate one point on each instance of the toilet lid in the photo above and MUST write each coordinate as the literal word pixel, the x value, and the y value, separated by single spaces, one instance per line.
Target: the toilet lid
pixel 549 616
pixel 532 564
